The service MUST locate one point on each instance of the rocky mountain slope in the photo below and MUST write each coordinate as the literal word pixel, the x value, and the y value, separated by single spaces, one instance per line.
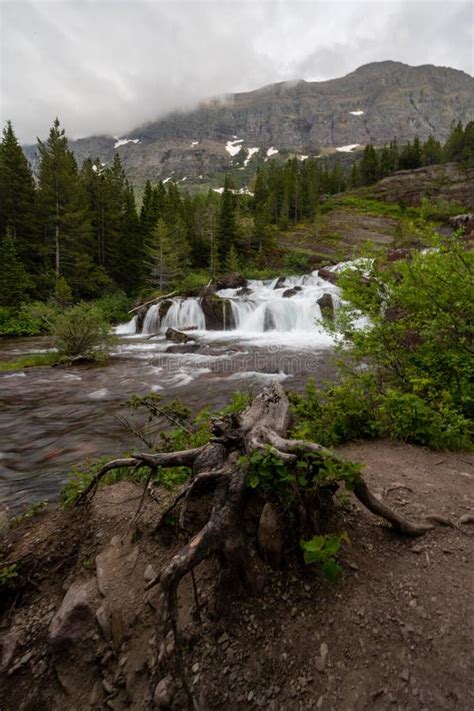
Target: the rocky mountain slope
pixel 372 104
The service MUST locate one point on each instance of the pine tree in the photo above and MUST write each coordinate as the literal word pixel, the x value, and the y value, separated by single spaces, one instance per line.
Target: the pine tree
pixel 64 213
pixel 369 165
pixel 431 151
pixel 163 260
pixel 227 233
pixel 14 280
pixel 17 200
pixel 232 264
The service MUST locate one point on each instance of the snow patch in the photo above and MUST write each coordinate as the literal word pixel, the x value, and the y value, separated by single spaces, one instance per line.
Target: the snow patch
pixel 194 143
pixel 348 149
pixel 250 152
pixel 356 113
pixel 123 141
pixel 304 157
pixel 166 180
pixel 272 151
pixel 183 179
pixel 234 147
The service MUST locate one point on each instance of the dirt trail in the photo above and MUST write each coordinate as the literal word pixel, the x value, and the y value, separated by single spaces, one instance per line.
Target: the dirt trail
pixel 396 632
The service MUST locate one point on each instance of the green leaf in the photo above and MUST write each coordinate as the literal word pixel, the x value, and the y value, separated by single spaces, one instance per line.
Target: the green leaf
pixel 331 570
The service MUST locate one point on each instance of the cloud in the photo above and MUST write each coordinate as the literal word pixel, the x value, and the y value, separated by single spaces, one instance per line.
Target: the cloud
pixel 108 66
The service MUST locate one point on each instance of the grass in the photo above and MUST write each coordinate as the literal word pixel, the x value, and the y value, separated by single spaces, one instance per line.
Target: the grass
pixel 32 360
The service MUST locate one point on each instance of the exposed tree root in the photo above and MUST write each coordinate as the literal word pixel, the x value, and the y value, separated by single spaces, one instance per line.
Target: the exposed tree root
pixel 215 469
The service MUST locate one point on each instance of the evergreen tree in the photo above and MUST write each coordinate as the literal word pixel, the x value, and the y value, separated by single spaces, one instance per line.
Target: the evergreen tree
pixel 14 280
pixel 227 233
pixel 163 260
pixel 369 165
pixel 64 214
pixel 431 152
pixel 17 200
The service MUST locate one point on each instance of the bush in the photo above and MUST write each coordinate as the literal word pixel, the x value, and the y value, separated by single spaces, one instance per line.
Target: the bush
pixel 114 307
pixel 297 262
pixel 82 331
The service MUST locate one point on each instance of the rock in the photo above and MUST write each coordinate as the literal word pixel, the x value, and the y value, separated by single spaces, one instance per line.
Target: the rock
pixel 328 275
pixel 250 696
pixel 150 573
pixel 280 282
pixel 395 255
pixel 103 620
pixel 75 618
pixel 172 334
pixel 270 537
pixel 183 348
pixel 10 644
pixel 288 293
pixel 217 312
pixel 164 692
pixel 230 281
pixel 326 305
pixel 244 291
pixel 466 518
pixel 323 651
pixel 405 675
pixel 320 664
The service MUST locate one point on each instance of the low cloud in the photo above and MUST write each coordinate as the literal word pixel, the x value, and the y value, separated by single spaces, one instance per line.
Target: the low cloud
pixel 107 66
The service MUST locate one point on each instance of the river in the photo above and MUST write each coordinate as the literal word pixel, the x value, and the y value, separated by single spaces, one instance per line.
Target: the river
pixel 52 419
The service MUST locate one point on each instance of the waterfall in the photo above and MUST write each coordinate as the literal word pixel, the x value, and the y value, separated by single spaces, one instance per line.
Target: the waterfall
pixel 265 306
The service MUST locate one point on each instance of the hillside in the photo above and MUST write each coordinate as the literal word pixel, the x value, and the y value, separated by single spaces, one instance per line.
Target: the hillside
pixel 372 104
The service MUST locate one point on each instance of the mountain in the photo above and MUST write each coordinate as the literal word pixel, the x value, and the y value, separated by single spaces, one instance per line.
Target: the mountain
pixel 375 103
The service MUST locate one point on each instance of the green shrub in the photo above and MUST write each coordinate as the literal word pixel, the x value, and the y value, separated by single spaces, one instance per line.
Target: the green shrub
pixel 339 412
pixel 81 331
pixel 296 262
pixel 114 307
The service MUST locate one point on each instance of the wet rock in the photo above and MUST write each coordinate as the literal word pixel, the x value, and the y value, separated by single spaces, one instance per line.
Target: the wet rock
pixel 183 348
pixel 270 537
pixel 244 291
pixel 172 334
pixel 230 281
pixel 280 283
pixel 328 275
pixel 217 312
pixel 75 618
pixel 164 692
pixel 326 305
pixel 288 293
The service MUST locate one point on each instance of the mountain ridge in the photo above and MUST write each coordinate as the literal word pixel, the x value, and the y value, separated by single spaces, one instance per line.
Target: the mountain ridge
pixel 375 103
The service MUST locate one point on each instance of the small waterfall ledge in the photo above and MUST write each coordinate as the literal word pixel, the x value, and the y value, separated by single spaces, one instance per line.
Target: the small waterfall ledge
pixel 282 305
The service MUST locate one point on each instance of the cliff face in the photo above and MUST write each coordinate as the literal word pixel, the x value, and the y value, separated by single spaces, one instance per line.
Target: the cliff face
pixel 373 104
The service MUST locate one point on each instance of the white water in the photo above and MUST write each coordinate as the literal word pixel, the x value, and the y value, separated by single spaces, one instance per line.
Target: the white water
pixel 263 314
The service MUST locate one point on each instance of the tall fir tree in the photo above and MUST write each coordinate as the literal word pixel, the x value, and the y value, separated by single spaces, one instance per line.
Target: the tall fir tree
pixel 17 201
pixel 14 280
pixel 227 231
pixel 64 214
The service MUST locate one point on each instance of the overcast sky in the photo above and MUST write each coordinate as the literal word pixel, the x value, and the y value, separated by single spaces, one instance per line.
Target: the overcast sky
pixel 107 66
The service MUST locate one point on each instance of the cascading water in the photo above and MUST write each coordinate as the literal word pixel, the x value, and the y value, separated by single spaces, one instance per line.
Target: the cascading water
pixel 265 307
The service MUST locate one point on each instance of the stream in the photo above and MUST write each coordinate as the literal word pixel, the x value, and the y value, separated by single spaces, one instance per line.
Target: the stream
pixel 52 419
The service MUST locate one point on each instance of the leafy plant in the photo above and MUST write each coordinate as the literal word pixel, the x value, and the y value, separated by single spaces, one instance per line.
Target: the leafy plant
pixel 323 550
pixel 266 469
pixel 9 577
pixel 81 331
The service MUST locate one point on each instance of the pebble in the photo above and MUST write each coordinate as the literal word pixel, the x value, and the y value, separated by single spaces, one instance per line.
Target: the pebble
pixel 195 668
pixel 405 675
pixel 250 696
pixel 150 573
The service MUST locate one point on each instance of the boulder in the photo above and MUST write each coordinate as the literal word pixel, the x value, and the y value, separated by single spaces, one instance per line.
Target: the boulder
pixel 270 536
pixel 183 348
pixel 288 293
pixel 280 282
pixel 244 291
pixel 217 312
pixel 326 305
pixel 75 618
pixel 230 281
pixel 328 275
pixel 172 334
